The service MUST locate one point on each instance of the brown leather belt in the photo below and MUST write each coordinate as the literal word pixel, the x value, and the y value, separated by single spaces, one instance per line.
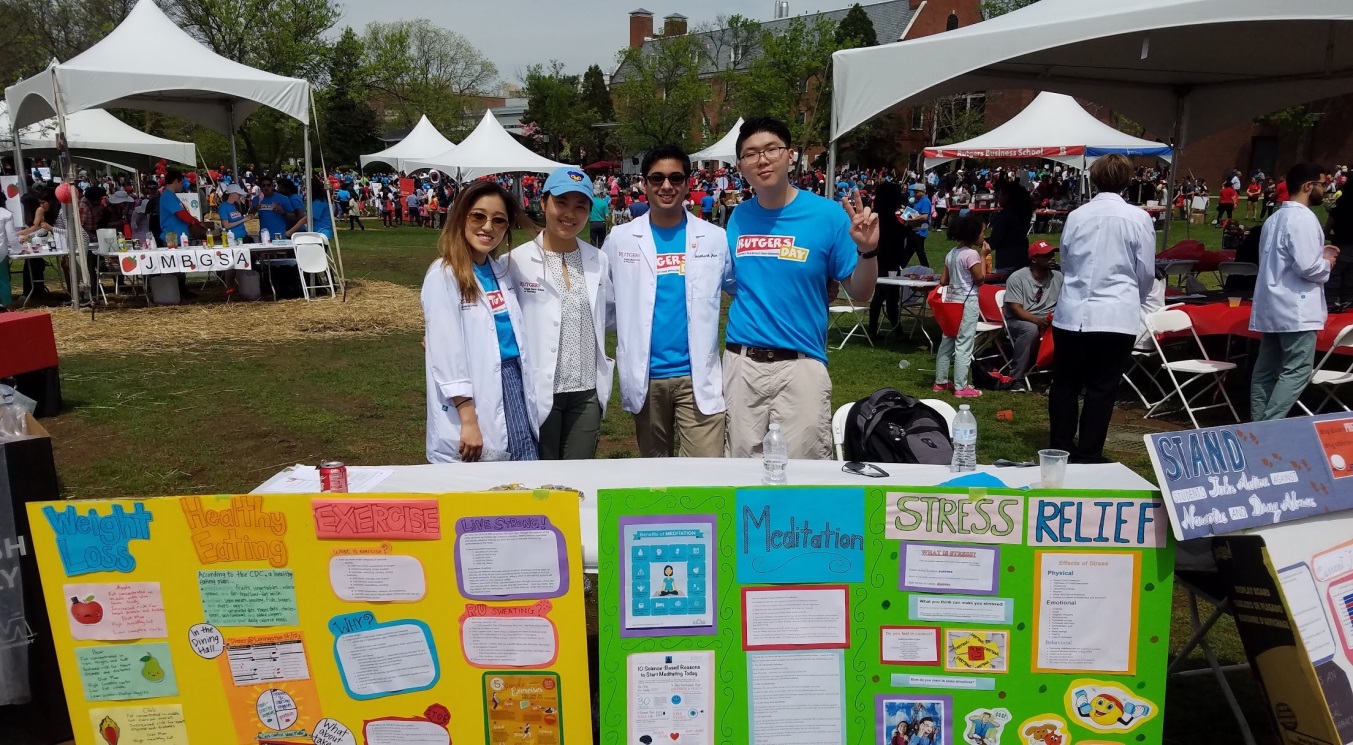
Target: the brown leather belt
pixel 757 354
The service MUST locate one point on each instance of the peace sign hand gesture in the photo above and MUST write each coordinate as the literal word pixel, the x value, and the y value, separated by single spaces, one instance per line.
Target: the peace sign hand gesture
pixel 864 224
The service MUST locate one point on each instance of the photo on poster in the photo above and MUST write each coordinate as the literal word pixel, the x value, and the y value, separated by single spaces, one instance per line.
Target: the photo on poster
pixel 913 719
pixel 666 581
pixel 976 651
pixel 671 695
pixel 523 708
pixel 909 645
pixel 984 726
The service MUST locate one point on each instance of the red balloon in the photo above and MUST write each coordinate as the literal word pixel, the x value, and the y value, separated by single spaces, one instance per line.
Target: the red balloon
pixel 63 193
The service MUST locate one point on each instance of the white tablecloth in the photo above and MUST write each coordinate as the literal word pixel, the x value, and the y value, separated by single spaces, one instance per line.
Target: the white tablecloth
pixel 588 476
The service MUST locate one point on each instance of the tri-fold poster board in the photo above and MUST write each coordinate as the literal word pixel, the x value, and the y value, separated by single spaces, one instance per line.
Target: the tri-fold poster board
pixel 324 619
pixel 891 616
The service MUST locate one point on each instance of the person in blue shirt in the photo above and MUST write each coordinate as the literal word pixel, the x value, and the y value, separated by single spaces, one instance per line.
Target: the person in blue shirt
pixel 232 220
pixel 175 219
pixel 920 226
pixel 707 207
pixel 601 207
pixel 786 246
pixel 638 209
pixel 322 214
pixel 343 196
pixel 274 209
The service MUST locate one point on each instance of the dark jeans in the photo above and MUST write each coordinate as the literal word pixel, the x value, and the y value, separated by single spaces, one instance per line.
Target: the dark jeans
pixel 1089 362
pixel 355 222
pixel 886 298
pixel 1226 210
pixel 915 245
pixel 598 234
pixel 573 427
pixel 1339 288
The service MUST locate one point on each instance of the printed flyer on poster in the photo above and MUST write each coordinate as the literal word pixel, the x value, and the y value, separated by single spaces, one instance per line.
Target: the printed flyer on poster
pixel 1223 480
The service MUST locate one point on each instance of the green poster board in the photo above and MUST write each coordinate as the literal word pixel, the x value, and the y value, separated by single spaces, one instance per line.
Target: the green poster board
pixel 885 615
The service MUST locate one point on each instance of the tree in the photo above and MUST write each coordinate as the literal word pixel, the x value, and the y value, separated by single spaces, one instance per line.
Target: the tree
pixel 993 8
pixel 958 118
pixel 599 142
pixel 732 42
pixel 790 80
pixel 555 106
pixel 416 68
pixel 36 31
pixel 347 123
pixel 660 95
pixel 856 29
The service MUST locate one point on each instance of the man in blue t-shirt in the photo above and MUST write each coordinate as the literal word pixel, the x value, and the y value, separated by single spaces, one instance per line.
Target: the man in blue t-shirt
pixel 668 267
pixel 273 209
pixel 787 246
pixel 175 219
pixel 920 226
pixel 707 207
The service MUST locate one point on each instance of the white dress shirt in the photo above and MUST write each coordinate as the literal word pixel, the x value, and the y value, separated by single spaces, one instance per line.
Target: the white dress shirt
pixel 9 237
pixel 1108 265
pixel 1289 293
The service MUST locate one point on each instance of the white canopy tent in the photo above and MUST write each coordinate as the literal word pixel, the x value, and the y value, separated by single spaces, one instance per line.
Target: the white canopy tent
pixel 423 141
pixel 1054 127
pixel 725 149
pixel 95 133
pixel 117 72
pixel 1170 65
pixel 487 150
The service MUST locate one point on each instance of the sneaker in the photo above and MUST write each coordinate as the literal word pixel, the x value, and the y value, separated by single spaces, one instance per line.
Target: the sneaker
pixel 943 387
pixel 968 392
pixel 1020 387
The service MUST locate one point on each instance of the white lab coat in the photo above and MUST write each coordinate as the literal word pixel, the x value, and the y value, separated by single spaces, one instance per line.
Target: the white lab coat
pixel 1289 293
pixel 633 256
pixel 463 359
pixel 9 236
pixel 541 304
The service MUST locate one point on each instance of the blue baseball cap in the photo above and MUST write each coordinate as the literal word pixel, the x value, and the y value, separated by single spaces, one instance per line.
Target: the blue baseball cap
pixel 568 179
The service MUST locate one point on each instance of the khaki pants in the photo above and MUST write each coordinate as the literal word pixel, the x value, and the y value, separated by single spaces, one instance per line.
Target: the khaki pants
pixel 671 416
pixel 795 393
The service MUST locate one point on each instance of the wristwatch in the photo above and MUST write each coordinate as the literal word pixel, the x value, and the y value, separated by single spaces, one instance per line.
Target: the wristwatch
pixel 869 254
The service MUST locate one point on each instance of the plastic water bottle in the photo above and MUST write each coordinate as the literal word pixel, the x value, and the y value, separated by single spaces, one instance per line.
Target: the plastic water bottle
pixel 965 441
pixel 265 236
pixel 774 456
pixel 183 240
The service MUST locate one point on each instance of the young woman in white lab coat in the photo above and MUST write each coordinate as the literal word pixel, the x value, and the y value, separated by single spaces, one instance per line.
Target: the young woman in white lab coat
pixel 480 403
pixel 564 287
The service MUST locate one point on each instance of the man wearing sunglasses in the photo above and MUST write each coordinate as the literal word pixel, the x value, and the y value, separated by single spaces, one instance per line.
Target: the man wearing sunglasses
pixel 1289 295
pixel 1030 298
pixel 668 267
pixel 787 245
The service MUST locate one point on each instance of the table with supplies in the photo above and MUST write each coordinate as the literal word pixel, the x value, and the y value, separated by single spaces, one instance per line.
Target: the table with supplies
pixel 49 255
pixel 913 305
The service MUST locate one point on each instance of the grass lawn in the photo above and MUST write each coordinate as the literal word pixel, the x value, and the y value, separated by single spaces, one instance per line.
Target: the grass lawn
pixel 222 418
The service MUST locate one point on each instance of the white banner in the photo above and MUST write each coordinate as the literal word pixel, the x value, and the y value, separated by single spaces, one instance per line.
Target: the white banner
pixel 184 260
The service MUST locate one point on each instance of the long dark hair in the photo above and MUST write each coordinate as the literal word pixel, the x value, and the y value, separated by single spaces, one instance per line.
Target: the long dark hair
pixel 455 253
pixel 1017 200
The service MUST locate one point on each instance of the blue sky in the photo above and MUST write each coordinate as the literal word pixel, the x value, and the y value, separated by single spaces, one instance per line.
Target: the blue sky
pixel 584 32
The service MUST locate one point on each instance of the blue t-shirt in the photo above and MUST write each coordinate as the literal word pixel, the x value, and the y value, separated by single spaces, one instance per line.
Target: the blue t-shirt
pixel 706 204
pixel 782 260
pixel 323 217
pixel 669 355
pixel 170 222
pixel 638 210
pixel 502 320
pixel 924 207
pixel 343 196
pixel 297 203
pixel 229 212
pixel 274 222
pixel 601 207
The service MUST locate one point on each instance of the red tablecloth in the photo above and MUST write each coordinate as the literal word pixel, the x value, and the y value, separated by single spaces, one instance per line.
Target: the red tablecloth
pixel 1208 261
pixel 28 343
pixel 1220 319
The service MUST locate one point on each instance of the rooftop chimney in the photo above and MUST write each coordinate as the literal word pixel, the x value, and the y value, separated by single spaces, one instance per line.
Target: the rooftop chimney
pixel 674 25
pixel 781 9
pixel 641 27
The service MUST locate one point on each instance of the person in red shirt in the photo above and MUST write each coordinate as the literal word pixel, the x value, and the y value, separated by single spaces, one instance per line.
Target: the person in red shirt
pixel 1252 193
pixel 1281 193
pixel 1226 203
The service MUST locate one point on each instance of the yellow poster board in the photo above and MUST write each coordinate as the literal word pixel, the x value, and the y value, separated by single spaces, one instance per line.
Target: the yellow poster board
pixel 333 619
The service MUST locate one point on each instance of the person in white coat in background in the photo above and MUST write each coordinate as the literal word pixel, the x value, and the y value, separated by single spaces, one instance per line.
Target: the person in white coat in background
pixel 564 287
pixel 480 401
pixel 1289 295
pixel 668 268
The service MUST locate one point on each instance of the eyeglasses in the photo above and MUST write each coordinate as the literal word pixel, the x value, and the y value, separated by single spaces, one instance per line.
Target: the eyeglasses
pixel 864 469
pixel 657 179
pixel 479 218
pixel 772 154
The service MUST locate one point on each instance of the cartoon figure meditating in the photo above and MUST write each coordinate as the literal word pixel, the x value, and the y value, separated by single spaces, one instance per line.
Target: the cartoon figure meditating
pixel 668 582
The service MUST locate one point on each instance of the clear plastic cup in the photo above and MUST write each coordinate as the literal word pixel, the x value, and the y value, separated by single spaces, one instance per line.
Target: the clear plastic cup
pixel 1234 302
pixel 1052 467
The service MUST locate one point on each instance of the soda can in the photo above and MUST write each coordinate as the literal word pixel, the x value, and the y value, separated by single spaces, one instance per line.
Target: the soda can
pixel 333 477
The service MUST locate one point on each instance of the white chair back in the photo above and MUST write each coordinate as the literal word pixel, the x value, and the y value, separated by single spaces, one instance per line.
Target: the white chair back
pixel 945 409
pixel 1168 321
pixel 1238 269
pixel 309 237
pixel 839 430
pixel 310 257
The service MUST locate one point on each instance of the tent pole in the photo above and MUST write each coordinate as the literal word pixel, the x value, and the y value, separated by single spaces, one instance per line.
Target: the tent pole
pixel 1177 143
pixel 75 241
pixel 310 203
pixel 829 183
pixel 234 161
pixel 19 170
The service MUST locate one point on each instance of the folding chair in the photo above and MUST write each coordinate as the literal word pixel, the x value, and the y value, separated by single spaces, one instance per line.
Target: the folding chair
pixel 1236 269
pixel 1328 379
pixel 944 409
pixel 989 326
pixel 1170 321
pixel 1142 352
pixel 839 420
pixel 1180 271
pixel 1005 324
pixel 860 313
pixel 311 258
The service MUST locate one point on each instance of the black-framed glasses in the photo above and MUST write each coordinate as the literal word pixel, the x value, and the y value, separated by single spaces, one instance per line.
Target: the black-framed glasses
pixel 773 154
pixel 864 469
pixel 657 179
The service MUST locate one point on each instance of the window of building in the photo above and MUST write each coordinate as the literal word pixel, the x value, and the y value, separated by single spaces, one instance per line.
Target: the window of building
pixel 952 23
pixel 739 52
pixel 917 118
pixel 803 117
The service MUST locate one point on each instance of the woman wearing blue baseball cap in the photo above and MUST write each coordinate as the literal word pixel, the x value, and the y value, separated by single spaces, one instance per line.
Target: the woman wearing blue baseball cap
pixel 563 286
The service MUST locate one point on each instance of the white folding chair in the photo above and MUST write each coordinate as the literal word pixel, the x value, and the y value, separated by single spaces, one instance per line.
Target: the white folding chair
pixel 1143 353
pixel 311 258
pixel 989 332
pixel 1170 321
pixel 1327 379
pixel 1180 270
pixel 839 430
pixel 847 312
pixel 1005 324
pixel 944 409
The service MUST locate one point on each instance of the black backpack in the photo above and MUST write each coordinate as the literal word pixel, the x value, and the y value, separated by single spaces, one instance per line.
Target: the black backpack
pixel 891 427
